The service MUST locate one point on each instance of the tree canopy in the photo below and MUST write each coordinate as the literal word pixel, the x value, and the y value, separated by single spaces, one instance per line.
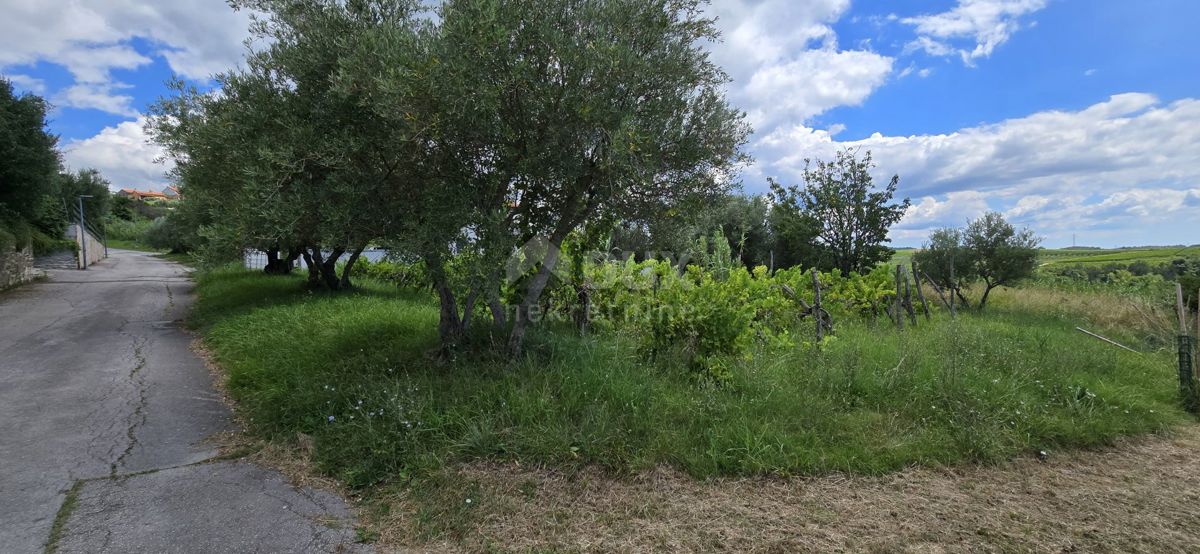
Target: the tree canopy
pixel 37 197
pixel 846 216
pixel 29 161
pixel 988 249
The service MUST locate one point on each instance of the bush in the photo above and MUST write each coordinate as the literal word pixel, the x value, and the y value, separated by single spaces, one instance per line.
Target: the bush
pixel 45 244
pixel 9 238
pixel 165 233
pixel 403 275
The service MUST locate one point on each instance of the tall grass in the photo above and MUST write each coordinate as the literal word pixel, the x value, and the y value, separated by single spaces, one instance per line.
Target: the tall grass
pixel 351 371
pixel 132 231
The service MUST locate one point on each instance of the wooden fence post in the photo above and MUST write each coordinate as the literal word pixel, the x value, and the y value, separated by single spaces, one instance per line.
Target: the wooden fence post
pixel 938 290
pixel 920 293
pixel 908 304
pixel 1187 380
pixel 952 290
pixel 816 309
pixel 898 304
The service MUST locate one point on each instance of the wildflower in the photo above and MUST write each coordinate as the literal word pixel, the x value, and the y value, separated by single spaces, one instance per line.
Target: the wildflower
pixel 329 419
pixel 468 501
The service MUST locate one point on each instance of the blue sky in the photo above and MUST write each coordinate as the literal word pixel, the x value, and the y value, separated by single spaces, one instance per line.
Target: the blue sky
pixel 1073 117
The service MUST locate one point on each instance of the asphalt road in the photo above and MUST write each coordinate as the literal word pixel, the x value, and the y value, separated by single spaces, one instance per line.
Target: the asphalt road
pixel 104 416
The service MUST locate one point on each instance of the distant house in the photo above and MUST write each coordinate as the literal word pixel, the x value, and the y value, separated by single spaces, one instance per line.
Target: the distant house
pixel 170 192
pixel 147 196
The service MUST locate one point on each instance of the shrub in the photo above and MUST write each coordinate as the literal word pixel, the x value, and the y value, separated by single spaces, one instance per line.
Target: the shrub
pixel 165 233
pixel 403 275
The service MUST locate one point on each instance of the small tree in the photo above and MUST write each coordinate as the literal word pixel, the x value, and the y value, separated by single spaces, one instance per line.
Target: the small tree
pixel 793 231
pixel 946 261
pixel 852 219
pixel 1000 254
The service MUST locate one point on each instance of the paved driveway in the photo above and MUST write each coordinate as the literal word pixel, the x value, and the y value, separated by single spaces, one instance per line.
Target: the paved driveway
pixel 104 415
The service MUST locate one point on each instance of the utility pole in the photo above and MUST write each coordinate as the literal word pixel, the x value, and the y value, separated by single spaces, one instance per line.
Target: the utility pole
pixel 83 232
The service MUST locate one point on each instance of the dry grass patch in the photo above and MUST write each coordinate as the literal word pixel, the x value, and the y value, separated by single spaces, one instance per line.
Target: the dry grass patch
pixel 1139 496
pixel 1137 317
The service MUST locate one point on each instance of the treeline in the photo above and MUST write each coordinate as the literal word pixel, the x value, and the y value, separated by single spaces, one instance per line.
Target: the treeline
pixel 37 196
pixel 835 219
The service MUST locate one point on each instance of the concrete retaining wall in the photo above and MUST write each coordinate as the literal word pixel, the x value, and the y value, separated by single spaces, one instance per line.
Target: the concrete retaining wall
pixel 16 267
pixel 95 248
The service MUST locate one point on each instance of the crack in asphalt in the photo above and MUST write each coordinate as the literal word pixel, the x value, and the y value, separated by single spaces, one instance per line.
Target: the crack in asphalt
pixel 111 356
pixel 170 301
pixel 137 417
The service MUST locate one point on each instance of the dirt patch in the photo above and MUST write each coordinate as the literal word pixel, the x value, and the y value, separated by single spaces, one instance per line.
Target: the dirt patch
pixel 1142 495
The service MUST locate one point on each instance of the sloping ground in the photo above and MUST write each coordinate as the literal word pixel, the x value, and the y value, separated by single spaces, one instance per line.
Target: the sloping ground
pixel 1143 495
pixel 63 259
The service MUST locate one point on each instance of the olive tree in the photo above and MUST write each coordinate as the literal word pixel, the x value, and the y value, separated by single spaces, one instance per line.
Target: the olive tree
pixel 1000 254
pixel 989 249
pixel 284 155
pixel 544 118
pixel 462 137
pixel 946 261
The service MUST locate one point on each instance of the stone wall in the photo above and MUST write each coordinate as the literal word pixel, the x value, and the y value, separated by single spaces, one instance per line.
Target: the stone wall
pixel 16 267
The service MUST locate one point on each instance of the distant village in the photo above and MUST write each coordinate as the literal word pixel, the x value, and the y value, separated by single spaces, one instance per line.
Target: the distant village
pixel 167 195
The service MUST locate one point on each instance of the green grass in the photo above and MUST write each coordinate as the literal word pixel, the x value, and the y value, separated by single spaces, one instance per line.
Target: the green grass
pixel 352 371
pixel 1070 256
pixel 125 244
pixel 1157 255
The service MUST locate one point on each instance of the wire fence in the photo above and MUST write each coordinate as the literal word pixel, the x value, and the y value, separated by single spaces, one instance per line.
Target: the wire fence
pixel 257 259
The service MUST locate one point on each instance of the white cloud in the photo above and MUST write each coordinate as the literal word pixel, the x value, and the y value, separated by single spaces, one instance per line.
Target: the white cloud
pixel 27 83
pixel 986 23
pixel 784 59
pixel 122 154
pixel 1130 158
pixel 930 213
pixel 814 82
pixel 90 38
pixel 99 96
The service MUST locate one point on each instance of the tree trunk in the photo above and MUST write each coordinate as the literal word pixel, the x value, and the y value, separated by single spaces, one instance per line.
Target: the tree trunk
pixel 962 300
pixel 312 262
pixel 449 325
pixel 328 269
pixel 495 305
pixel 346 284
pixel 469 307
pixel 276 266
pixel 986 291
pixel 516 337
